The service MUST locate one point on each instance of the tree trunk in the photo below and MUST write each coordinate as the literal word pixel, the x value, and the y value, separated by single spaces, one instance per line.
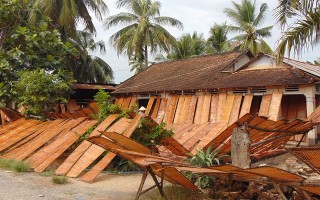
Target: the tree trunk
pixel 145 56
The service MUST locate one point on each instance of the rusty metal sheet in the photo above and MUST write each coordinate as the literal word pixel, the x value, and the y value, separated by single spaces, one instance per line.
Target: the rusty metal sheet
pixel 310 189
pixel 309 155
pixel 77 153
pixel 174 146
pixel 51 152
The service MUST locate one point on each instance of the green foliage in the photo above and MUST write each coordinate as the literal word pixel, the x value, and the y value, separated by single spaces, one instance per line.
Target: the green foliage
pixel 126 166
pixel 203 159
pixel 48 173
pixel 150 136
pixel 59 180
pixel 14 165
pixel 38 90
pixel 105 108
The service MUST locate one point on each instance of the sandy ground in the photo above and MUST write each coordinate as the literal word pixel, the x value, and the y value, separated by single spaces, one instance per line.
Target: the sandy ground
pixel 31 186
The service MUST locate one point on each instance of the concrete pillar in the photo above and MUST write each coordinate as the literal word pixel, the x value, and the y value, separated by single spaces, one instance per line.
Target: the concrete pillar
pixel 240 148
pixel 310 93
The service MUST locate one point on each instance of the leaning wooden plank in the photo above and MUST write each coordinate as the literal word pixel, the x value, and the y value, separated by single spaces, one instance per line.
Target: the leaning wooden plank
pixel 178 114
pixel 120 101
pixel 149 106
pixel 168 108
pixel 37 156
pixel 155 110
pixel 275 106
pixel 191 133
pixel 192 109
pixel 105 161
pixel 234 116
pixel 265 105
pixel 5 128
pixel 246 105
pixel 197 118
pixel 177 135
pixel 12 137
pixel 185 109
pixel 126 102
pixel 45 156
pixel 94 151
pixel 213 108
pixel 193 141
pixel 76 154
pixel 206 109
pixel 133 102
pixel 44 126
pixel 227 108
pixel 162 110
pixel 172 110
pixel 221 105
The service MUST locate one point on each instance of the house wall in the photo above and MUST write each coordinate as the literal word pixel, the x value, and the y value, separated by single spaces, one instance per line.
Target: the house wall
pixel 264 62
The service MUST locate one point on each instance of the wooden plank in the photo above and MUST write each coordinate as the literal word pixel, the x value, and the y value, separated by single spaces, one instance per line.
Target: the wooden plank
pixel 162 110
pixel 167 108
pixel 235 109
pixel 197 118
pixel 246 105
pixel 126 102
pixel 149 106
pixel 105 161
pixel 44 137
pixel 213 108
pixel 76 154
pixel 180 105
pixel 172 109
pixel 221 105
pixel 193 141
pixel 94 151
pixel 156 108
pixel 133 102
pixel 185 109
pixel 120 101
pixel 45 156
pixel 185 129
pixel 293 107
pixel 191 133
pixel 275 106
pixel 192 109
pixel 206 109
pixel 9 126
pixel 265 105
pixel 227 108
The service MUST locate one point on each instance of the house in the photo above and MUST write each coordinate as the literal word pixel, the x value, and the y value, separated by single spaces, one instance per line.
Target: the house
pixel 219 89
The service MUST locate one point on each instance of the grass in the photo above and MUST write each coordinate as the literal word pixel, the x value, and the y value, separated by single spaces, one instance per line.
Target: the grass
pixel 48 173
pixel 14 165
pixel 173 192
pixel 59 179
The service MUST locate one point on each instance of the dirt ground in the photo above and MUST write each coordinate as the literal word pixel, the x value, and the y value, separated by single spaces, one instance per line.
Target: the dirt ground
pixel 32 186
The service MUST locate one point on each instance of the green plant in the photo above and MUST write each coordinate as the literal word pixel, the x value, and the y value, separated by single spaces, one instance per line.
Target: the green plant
pixel 14 165
pixel 126 166
pixel 48 173
pixel 59 179
pixel 203 159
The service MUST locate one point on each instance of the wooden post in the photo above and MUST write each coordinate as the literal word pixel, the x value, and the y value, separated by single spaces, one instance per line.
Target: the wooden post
pixel 240 148
pixel 2 116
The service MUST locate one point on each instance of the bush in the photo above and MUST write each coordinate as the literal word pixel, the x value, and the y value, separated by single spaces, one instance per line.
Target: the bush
pixel 14 165
pixel 59 179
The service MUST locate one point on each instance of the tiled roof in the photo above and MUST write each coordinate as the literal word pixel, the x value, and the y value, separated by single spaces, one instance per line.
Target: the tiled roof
pixel 185 74
pixel 84 86
pixel 307 67
pixel 265 77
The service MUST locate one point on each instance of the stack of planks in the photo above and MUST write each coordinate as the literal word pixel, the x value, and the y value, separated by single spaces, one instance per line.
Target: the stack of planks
pixel 197 120
pixel 126 102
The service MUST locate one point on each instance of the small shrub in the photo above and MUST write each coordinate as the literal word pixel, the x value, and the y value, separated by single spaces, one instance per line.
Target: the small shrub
pixel 59 179
pixel 48 173
pixel 14 165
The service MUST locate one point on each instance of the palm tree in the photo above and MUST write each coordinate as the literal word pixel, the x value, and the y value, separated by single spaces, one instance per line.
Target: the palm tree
pixel 88 68
pixel 143 29
pixel 303 32
pixel 188 46
pixel 68 13
pixel 218 41
pixel 247 22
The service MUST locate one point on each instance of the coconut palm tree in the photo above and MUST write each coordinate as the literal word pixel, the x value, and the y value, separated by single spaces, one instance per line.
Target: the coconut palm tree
pixel 88 68
pixel 247 22
pixel 304 31
pixel 187 46
pixel 68 13
pixel 143 31
pixel 218 41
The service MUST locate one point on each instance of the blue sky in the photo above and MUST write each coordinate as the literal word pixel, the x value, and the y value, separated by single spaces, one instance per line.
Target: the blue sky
pixel 196 16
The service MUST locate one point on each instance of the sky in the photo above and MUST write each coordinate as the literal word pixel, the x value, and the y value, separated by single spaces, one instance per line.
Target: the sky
pixel 196 16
